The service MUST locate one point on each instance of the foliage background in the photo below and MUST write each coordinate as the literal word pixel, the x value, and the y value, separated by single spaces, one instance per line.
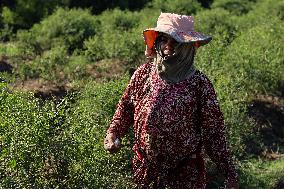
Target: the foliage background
pixel 64 65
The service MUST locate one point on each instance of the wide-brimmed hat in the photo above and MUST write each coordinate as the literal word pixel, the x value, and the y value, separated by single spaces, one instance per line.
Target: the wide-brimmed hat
pixel 179 27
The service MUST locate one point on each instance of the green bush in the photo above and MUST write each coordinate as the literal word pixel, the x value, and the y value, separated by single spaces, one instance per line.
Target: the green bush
pixel 119 20
pixel 126 46
pixel 9 50
pixel 236 7
pixel 118 38
pixel 256 56
pixel 27 44
pixel 7 16
pixel 212 22
pixel 6 34
pixel 148 19
pixel 48 66
pixel 92 167
pixel 68 28
pixel 262 13
pixel 269 8
pixel 47 145
pixel 98 6
pixel 32 142
pixel 262 174
pixel 75 69
pixel 6 31
pixel 27 71
pixel 22 14
pixel 177 6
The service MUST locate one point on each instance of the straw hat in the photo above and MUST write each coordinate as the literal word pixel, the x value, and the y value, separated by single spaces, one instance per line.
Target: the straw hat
pixel 179 27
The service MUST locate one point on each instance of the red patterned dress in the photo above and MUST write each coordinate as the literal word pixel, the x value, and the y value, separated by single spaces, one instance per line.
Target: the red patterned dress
pixel 172 122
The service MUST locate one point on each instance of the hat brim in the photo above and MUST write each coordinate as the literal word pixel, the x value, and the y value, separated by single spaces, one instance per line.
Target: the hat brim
pixel 197 38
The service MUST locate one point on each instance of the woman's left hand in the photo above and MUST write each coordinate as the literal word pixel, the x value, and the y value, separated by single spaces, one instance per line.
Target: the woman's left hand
pixel 112 143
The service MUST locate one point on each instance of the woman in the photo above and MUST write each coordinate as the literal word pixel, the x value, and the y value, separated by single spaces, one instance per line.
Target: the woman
pixel 174 110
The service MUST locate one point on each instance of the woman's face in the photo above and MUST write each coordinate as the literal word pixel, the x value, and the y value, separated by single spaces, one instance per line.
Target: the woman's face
pixel 167 45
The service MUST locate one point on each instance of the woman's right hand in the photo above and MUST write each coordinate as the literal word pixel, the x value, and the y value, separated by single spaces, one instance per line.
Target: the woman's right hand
pixel 112 143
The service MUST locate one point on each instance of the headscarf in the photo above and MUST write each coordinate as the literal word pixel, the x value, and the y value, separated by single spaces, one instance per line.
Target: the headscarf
pixel 177 67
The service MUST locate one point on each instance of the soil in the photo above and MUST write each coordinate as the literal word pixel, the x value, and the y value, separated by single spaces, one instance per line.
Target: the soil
pixel 280 184
pixel 5 66
pixel 105 69
pixel 46 90
pixel 267 111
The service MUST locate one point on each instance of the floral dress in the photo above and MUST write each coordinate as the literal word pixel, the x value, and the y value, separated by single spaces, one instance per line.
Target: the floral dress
pixel 172 123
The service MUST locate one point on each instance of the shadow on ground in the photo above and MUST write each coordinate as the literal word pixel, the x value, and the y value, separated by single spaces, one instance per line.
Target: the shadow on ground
pixel 267 111
pixel 5 66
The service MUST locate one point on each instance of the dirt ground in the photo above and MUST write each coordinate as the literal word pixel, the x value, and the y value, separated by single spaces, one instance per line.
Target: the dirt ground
pixel 268 113
pixel 54 90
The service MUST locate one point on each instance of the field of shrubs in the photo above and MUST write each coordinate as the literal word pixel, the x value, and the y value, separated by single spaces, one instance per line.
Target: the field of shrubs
pixel 64 65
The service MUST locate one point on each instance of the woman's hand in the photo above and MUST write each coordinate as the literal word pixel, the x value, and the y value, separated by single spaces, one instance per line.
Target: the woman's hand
pixel 112 143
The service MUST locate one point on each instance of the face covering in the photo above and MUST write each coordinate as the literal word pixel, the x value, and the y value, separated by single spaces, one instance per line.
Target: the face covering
pixel 177 67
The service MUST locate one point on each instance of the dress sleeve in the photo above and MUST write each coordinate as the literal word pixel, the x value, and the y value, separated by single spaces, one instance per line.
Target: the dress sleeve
pixel 213 133
pixel 124 114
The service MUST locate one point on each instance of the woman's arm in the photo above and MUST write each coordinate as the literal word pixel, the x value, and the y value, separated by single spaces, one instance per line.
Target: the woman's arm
pixel 121 121
pixel 124 115
pixel 213 134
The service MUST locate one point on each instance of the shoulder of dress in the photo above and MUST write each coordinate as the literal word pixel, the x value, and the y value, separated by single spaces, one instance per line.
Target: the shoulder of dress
pixel 202 77
pixel 145 66
pixel 142 70
pixel 202 82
